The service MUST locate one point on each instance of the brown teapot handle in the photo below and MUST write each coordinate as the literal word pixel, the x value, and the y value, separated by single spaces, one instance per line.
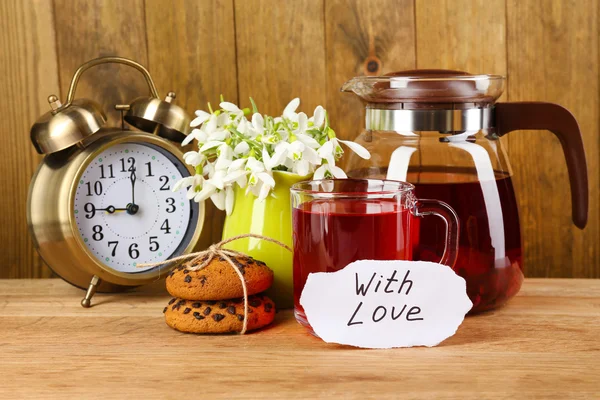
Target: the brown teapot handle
pixel 558 120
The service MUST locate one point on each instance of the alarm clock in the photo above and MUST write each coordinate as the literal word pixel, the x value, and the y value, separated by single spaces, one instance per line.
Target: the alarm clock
pixel 101 200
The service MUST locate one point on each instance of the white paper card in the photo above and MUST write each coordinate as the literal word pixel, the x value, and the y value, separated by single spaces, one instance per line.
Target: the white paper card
pixel 384 304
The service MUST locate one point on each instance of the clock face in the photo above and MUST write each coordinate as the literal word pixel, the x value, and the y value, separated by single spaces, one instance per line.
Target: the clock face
pixel 125 210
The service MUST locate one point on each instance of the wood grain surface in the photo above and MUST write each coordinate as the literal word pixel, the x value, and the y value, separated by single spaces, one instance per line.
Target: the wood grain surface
pixel 274 51
pixel 359 41
pixel 543 344
pixel 96 28
pixel 280 53
pixel 28 74
pixel 553 56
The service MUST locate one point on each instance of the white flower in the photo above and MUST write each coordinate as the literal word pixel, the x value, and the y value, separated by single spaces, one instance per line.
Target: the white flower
pixel 357 148
pixel 197 134
pixel 228 154
pixel 218 135
pixel 301 167
pixel 311 156
pixel 302 123
pixel 224 156
pixel 254 165
pixel 217 179
pixel 264 191
pixel 277 158
pixel 193 158
pixel 190 181
pixel 218 199
pixel 258 123
pixel 236 164
pixel 210 145
pixel 329 171
pixel 327 152
pixel 318 117
pixel 229 200
pixel 307 140
pixel 211 125
pixel 230 107
pixel 241 148
pixel 290 110
pixel 201 116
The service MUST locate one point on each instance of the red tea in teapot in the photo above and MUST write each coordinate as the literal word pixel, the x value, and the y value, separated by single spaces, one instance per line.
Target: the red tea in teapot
pixel 489 255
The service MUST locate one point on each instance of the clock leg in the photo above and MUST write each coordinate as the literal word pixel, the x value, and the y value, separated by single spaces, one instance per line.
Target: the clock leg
pixel 87 300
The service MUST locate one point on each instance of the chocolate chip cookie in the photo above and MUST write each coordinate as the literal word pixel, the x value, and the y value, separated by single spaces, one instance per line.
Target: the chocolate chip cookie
pixel 218 281
pixel 218 316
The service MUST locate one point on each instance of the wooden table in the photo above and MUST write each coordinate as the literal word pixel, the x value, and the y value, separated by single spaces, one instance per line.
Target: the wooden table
pixel 544 344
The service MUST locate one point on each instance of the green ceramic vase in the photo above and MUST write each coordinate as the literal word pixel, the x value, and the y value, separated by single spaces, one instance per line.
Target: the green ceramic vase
pixel 272 218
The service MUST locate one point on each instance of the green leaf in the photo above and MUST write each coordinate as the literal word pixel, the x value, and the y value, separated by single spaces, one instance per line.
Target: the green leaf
pixel 254 108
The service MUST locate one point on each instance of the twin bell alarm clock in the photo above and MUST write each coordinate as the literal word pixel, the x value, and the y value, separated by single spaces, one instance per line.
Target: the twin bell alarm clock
pixel 101 200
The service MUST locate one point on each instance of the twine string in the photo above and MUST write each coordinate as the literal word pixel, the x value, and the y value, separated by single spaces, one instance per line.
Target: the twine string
pixel 203 258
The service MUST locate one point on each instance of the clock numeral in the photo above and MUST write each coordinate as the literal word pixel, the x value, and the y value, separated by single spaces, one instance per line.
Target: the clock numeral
pixel 165 182
pixel 165 227
pixel 90 209
pixel 97 188
pixel 154 246
pixel 98 235
pixel 149 164
pixel 111 174
pixel 133 251
pixel 130 161
pixel 114 251
pixel 171 202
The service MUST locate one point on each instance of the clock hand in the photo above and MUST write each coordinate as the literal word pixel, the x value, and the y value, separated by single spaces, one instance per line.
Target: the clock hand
pixel 132 178
pixel 132 208
pixel 111 209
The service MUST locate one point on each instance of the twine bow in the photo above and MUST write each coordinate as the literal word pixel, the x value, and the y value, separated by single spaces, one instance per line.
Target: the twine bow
pixel 216 250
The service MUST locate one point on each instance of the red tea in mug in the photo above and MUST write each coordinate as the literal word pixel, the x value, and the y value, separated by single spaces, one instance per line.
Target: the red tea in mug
pixel 356 220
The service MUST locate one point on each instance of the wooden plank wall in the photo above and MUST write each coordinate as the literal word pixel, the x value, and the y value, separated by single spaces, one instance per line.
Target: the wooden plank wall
pixel 277 50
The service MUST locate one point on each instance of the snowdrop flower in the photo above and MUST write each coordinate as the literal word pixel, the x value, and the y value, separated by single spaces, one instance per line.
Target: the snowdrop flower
pixel 194 183
pixel 229 200
pixel 193 158
pixel 201 116
pixel 196 134
pixel 318 117
pixel 329 171
pixel 258 123
pixel 355 147
pixel 290 110
pixel 224 156
pixel 237 152
pixel 218 199
pixel 241 148
pixel 231 108
pixel 327 152
pixel 302 123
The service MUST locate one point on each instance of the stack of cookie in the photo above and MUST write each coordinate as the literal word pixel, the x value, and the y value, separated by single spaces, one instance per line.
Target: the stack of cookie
pixel 210 300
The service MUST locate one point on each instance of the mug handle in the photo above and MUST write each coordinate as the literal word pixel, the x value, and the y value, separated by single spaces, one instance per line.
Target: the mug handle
pixel 425 207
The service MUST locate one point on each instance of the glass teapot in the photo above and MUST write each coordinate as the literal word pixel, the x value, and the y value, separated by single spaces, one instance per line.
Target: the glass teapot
pixel 440 130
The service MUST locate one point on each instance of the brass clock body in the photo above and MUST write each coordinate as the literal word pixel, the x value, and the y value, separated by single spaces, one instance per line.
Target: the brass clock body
pixel 50 213
pixel 73 136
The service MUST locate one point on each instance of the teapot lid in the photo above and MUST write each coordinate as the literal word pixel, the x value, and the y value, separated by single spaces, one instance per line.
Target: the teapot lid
pixel 428 87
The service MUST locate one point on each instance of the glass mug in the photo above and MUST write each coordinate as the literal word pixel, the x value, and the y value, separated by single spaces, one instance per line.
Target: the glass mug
pixel 338 221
